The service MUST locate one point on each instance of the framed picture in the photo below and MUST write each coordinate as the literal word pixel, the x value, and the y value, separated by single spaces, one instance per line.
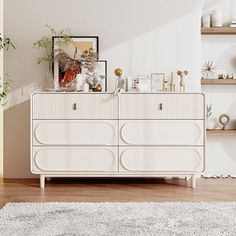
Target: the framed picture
pixel 99 73
pixel 74 49
pixel 138 83
pixel 157 80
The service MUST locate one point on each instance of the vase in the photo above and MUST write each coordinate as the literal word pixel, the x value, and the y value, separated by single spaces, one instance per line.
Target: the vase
pixel 49 83
pixel 210 124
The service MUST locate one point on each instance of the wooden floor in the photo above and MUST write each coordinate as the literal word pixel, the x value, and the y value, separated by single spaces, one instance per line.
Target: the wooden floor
pixel 119 190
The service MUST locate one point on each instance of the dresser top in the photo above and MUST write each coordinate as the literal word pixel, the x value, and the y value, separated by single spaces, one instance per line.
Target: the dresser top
pixel 47 92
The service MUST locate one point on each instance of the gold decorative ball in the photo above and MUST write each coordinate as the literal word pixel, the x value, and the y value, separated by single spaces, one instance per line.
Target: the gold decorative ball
pixel 118 72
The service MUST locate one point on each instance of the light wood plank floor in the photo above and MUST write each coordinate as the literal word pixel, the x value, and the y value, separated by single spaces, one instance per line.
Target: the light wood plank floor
pixel 121 190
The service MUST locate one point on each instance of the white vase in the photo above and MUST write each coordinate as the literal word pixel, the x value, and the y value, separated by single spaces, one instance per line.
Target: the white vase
pixel 85 87
pixel 210 124
pixel 217 18
pixel 49 80
pixel 206 21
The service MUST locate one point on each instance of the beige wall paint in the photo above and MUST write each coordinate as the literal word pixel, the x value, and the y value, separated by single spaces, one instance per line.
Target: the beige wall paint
pixel 1 110
pixel 139 36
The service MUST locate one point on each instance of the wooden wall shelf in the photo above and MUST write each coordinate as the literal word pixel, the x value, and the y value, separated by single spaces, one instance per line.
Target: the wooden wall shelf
pixel 219 132
pixel 218 81
pixel 218 31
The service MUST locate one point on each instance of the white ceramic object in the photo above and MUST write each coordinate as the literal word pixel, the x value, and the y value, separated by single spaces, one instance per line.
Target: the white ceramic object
pixel 206 21
pixel 210 124
pixel 79 82
pixel 217 18
pixel 85 87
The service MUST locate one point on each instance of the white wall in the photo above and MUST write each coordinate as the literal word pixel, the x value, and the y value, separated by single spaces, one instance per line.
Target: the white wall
pixel 140 36
pixel 221 151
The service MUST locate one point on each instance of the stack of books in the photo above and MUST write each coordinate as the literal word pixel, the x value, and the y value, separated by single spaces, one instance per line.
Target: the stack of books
pixel 232 23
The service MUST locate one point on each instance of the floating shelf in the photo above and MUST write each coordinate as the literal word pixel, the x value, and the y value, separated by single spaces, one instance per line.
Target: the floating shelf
pixel 218 81
pixel 219 132
pixel 219 31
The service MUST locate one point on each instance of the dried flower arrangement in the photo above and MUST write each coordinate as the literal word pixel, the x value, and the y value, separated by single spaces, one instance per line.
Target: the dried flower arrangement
pixel 46 44
pixel 5 83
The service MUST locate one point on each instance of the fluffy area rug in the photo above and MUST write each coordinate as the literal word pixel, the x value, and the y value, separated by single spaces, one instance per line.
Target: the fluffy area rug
pixel 118 219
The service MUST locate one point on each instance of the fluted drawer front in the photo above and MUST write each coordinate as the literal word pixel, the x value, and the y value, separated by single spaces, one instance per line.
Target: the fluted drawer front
pixel 161 106
pixel 74 106
pixel 72 159
pixel 151 159
pixel 73 132
pixel 161 132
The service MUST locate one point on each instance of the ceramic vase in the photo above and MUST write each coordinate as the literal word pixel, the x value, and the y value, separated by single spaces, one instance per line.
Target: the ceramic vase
pixel 210 124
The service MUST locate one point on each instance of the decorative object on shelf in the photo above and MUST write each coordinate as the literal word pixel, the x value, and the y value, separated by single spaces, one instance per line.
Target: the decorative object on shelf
pixel 209 68
pixel 47 44
pixel 81 53
pixel 232 23
pixel 172 85
pixel 79 79
pixel 206 21
pixel 222 76
pixel 164 85
pixel 98 75
pixel 210 124
pixel 98 88
pixel 224 120
pixel 138 83
pixel 85 87
pixel 120 82
pixel 230 76
pixel 217 18
pixel 182 75
pixel 156 81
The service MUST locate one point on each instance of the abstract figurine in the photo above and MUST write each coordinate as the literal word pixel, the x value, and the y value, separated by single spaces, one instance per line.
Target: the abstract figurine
pixel 120 82
pixel 182 75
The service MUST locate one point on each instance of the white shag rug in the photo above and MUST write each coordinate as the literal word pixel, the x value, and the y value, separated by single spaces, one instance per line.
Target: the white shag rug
pixel 211 219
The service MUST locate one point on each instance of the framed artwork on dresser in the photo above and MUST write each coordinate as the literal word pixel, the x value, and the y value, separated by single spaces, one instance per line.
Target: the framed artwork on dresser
pixel 138 83
pixel 157 80
pixel 74 49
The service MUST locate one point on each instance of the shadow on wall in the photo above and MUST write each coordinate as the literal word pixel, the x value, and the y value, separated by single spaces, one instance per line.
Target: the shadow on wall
pixel 17 129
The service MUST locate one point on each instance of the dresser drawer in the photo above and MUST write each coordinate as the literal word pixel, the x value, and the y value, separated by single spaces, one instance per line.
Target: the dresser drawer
pixel 82 159
pixel 74 106
pixel 151 159
pixel 161 132
pixel 162 106
pixel 75 132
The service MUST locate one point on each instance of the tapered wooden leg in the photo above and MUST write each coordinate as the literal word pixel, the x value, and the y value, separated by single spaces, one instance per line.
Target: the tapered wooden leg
pixel 193 181
pixel 42 181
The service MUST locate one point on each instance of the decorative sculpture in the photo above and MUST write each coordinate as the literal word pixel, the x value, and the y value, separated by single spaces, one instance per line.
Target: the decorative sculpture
pixel 182 75
pixel 172 85
pixel 120 82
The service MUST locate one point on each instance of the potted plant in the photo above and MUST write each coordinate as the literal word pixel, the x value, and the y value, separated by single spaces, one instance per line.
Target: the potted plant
pixel 5 83
pixel 46 44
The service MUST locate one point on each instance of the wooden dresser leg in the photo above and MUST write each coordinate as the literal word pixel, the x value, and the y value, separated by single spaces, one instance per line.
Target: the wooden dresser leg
pixel 42 181
pixel 193 181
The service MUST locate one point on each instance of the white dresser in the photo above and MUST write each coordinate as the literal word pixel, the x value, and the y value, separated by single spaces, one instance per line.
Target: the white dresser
pixel 135 135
